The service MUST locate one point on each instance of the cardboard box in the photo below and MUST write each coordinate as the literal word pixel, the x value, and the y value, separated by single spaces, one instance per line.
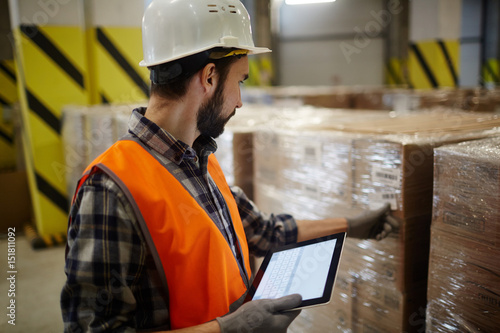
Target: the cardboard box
pixel 243 167
pixel 334 100
pixel 335 316
pixel 400 260
pixel 372 99
pixel 15 201
pixel 76 146
pixel 319 96
pixel 316 165
pixel 467 190
pixel 267 164
pixel 464 284
pixel 475 100
pixel 381 308
pixel 430 99
pixel 392 161
pixel 393 158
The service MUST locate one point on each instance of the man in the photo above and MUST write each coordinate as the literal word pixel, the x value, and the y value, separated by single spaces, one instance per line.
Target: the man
pixel 157 240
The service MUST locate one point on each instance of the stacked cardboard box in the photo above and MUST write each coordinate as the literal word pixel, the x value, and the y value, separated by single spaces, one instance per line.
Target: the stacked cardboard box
pixel 87 131
pixel 464 270
pixel 235 146
pixel 363 163
pixel 319 96
pixel 373 99
pixel 336 316
pixel 377 98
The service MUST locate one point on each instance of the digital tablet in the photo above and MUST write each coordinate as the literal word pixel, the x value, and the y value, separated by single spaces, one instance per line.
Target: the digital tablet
pixel 307 268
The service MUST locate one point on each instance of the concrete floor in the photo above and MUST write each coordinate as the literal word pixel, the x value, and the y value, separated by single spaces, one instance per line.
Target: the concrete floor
pixel 39 279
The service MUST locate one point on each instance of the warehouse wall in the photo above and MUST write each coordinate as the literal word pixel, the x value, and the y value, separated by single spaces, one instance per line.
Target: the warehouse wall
pixel 52 72
pixel 340 43
pixel 453 43
pixel 115 50
pixel 491 57
pixel 8 92
pixel 70 52
pixel 434 55
pixel 470 46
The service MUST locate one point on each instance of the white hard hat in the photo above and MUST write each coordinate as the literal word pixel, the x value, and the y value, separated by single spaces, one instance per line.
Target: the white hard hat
pixel 174 29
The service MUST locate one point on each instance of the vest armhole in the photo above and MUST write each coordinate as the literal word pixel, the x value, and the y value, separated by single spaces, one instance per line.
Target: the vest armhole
pixel 142 225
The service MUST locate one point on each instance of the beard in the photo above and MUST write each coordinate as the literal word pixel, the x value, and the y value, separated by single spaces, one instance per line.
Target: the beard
pixel 209 118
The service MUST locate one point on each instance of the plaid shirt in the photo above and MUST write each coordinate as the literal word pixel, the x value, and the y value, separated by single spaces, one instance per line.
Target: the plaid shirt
pixel 112 283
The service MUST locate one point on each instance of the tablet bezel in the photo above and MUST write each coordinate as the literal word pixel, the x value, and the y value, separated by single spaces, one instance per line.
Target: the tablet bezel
pixel 332 271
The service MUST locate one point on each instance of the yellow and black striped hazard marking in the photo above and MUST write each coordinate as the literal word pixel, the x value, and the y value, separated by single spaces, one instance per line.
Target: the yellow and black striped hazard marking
pixel 491 71
pixel 6 134
pixel 117 53
pixel 8 83
pixel 54 67
pixel 395 72
pixel 434 64
pixel 41 242
pixel 7 144
pixel 8 96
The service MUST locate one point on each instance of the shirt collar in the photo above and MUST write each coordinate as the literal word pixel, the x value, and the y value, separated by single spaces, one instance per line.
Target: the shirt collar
pixel 164 143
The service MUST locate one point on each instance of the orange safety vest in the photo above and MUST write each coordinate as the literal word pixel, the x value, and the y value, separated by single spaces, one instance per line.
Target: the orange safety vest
pixel 202 277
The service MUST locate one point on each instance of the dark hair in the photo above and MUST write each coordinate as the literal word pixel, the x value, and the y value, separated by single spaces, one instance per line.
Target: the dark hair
pixel 170 80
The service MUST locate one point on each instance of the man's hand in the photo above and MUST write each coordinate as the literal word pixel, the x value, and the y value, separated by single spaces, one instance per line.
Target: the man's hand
pixel 372 224
pixel 262 316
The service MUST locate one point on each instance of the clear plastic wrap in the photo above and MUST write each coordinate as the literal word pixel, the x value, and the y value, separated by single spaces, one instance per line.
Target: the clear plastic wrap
pixel 376 98
pixel 335 316
pixel 74 145
pixel 464 265
pixel 320 163
pixel 235 146
pixel 99 132
pixel 87 131
pixel 362 163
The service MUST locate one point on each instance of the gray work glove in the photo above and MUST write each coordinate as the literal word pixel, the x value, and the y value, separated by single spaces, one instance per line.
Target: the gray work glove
pixel 262 316
pixel 372 224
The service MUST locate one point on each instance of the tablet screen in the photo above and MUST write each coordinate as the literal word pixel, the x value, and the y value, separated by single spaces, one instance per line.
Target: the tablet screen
pixel 301 270
pixel 306 268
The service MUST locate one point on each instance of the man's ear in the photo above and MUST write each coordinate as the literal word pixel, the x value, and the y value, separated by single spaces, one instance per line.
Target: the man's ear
pixel 209 78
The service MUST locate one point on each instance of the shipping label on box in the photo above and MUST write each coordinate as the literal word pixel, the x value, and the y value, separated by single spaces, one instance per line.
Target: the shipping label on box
pixel 387 176
pixel 377 173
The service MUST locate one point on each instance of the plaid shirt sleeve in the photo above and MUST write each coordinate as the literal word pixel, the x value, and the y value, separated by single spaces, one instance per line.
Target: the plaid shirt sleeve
pixel 108 286
pixel 263 232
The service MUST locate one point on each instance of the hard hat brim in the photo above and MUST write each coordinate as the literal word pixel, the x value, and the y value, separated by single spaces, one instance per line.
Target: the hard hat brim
pixel 251 50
